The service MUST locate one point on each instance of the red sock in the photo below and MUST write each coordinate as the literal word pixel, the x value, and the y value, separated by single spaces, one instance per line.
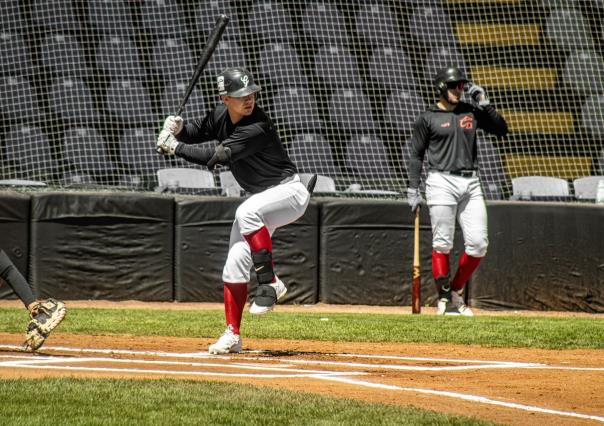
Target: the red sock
pixel 260 240
pixel 235 296
pixel 467 265
pixel 440 264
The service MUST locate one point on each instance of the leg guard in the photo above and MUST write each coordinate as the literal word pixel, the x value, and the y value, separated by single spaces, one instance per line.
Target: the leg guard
pixel 444 287
pixel 263 265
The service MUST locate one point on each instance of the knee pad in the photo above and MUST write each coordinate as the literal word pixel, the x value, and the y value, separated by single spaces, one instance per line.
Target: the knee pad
pixel 263 265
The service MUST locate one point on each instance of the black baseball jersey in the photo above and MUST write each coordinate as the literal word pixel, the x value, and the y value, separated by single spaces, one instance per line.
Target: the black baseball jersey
pixel 258 158
pixel 450 138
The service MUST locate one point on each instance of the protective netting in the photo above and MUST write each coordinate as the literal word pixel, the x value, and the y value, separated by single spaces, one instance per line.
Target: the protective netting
pixel 86 84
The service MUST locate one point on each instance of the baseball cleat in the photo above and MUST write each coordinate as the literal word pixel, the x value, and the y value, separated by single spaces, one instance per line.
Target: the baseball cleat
pixel 458 302
pixel 45 317
pixel 266 297
pixel 227 343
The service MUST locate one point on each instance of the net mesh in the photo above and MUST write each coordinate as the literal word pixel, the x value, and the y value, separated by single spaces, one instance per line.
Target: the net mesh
pixel 86 84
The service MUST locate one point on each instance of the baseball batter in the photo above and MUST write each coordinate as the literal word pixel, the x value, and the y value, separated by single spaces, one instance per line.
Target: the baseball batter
pixel 447 133
pixel 250 145
pixel 45 315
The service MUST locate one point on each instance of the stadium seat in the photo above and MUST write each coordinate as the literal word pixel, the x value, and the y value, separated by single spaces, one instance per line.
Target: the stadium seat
pixel 11 18
pixel 337 67
pixel 28 155
pixel 311 153
pixel 583 72
pixel 19 101
pixel 173 59
pixel 137 151
pixel 61 54
pixel 163 19
pixel 173 179
pixel 280 66
pixel 56 15
pixel 442 57
pixel 75 179
pixel 600 162
pixel 205 18
pixel 323 23
pixel 15 58
pixel 129 101
pixel 229 185
pixel 85 153
pixel 296 109
pixel 119 58
pixel 425 19
pixel 390 69
pixel 568 30
pixel 367 158
pixel 592 112
pixel 586 187
pixel 268 21
pixel 376 25
pixel 112 17
pixel 349 111
pixel 325 184
pixel 540 188
pixel 227 54
pixel 72 100
pixel 402 109
pixel 172 96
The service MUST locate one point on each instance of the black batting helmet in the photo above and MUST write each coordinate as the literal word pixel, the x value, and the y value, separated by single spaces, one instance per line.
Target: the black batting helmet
pixel 448 75
pixel 236 82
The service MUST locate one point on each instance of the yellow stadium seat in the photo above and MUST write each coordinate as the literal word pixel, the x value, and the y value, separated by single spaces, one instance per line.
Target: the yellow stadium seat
pixel 565 167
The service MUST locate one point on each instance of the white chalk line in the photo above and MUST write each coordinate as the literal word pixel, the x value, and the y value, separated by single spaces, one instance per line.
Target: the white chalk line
pixel 37 362
pixel 467 397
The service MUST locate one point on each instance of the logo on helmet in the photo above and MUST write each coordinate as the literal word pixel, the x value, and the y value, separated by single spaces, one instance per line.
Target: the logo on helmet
pixel 245 80
pixel 220 83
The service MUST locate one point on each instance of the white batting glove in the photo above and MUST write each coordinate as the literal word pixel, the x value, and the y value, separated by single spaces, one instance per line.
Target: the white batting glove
pixel 166 142
pixel 479 95
pixel 173 124
pixel 414 199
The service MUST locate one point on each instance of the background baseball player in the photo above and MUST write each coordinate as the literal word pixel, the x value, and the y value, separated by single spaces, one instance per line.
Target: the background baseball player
pixel 447 132
pixel 251 146
pixel 45 315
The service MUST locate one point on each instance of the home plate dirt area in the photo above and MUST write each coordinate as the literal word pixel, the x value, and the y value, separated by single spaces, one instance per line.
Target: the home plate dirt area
pixel 512 386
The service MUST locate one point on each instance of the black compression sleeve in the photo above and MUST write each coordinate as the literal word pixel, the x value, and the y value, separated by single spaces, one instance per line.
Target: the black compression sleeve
pixel 194 153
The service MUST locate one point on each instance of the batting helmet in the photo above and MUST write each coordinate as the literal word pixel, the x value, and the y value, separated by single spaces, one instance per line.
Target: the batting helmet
pixel 236 82
pixel 448 75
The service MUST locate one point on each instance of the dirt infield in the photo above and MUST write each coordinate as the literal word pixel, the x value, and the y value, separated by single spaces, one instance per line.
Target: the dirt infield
pixel 512 386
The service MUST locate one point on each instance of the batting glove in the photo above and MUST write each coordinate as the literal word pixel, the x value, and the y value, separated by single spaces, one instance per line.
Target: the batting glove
pixel 478 95
pixel 173 124
pixel 415 199
pixel 166 142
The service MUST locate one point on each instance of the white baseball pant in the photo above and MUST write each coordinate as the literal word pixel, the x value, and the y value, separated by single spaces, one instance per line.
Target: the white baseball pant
pixel 273 208
pixel 450 197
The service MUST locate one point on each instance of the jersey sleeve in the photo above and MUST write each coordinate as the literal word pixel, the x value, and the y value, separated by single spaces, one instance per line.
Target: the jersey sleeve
pixel 194 153
pixel 491 121
pixel 418 145
pixel 197 131
pixel 247 140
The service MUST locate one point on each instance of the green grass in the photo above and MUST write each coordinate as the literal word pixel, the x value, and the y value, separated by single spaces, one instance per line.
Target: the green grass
pixel 69 401
pixel 488 331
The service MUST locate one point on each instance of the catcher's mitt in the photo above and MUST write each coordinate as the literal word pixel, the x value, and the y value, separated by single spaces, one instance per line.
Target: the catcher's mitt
pixel 45 317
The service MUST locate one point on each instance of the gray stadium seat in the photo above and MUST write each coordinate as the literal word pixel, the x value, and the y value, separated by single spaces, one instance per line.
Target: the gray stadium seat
pixel 325 184
pixel 337 67
pixel 11 18
pixel 349 111
pixel 111 17
pixel 131 103
pixel 376 25
pixel 324 24
pixel 227 54
pixel 137 151
pixel 28 155
pixel 390 69
pixel 172 96
pixel 56 15
pixel 442 57
pixel 15 57
pixel 586 187
pixel 205 18
pixel 535 187
pixel 72 100
pixel 19 101
pixel 85 153
pixel 62 55
pixel 280 66
pixel 425 19
pixel 402 109
pixel 229 185
pixel 269 21
pixel 175 178
pixel 592 115
pixel 367 157
pixel 311 153
pixel 568 30
pixel 296 109
pixel 118 58
pixel 173 59
pixel 163 19
pixel 583 72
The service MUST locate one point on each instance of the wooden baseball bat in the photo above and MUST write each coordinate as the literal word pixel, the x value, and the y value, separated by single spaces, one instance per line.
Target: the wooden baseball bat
pixel 416 289
pixel 208 50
